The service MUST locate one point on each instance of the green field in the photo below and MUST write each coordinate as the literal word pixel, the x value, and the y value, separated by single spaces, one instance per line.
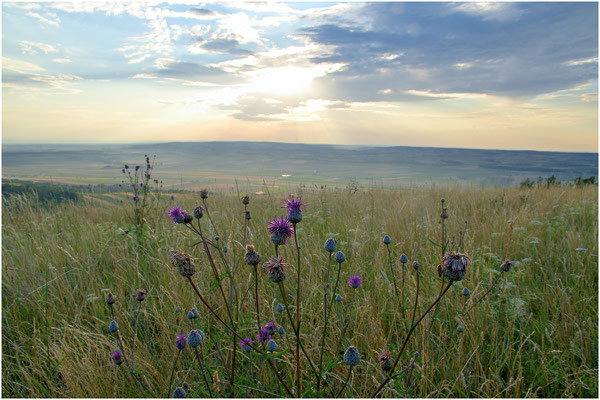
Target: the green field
pixel 534 335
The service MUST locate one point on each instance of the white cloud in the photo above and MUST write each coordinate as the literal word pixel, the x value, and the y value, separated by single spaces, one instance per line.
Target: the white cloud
pixel 492 11
pixel 21 67
pixel 32 48
pixel 574 63
pixel 61 60
pixel 44 19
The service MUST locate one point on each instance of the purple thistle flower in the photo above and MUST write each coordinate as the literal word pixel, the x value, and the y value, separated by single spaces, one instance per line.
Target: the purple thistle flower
pixel 355 281
pixel 135 198
pixel 281 229
pixel 180 341
pixel 263 336
pixel 172 197
pixel 245 344
pixel 270 327
pixel 176 214
pixel 117 357
pixel 141 185
pixel 293 209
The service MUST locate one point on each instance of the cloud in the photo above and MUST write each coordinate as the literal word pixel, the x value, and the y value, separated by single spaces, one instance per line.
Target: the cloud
pixel 39 17
pixel 192 72
pixel 62 60
pixel 19 66
pixel 32 48
pixel 201 12
pixel 491 11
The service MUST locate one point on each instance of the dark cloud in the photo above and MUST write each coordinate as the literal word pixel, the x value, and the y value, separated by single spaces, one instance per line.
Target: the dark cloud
pixel 201 12
pixel 228 46
pixel 514 49
pixel 197 72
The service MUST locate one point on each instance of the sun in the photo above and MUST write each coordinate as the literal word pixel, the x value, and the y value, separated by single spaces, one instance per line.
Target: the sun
pixel 284 80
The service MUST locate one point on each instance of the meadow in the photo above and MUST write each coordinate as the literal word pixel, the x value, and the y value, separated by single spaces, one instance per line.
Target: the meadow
pixel 528 332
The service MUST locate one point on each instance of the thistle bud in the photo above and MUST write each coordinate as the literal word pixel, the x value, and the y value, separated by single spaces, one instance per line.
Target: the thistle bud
pixel 182 262
pixel 387 239
pixel 248 216
pixel 338 297
pixel 113 326
pixel 444 213
pixel 403 258
pixel 198 212
pixel 187 218
pixel 204 194
pixel 281 331
pixel 252 257
pixel 194 338
pixel 465 292
pixel 272 346
pixel 117 357
pixel 179 393
pixel 384 360
pixel 110 299
pixel 246 200
pixel 507 265
pixel 340 257
pixel 416 265
pixel 330 245
pixel 351 356
pixel 140 295
pixel 193 314
pixel 279 308
pixel 180 341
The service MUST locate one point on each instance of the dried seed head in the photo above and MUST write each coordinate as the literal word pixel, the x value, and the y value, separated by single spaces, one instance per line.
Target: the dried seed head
pixel 351 356
pixel 507 265
pixel 198 212
pixel 182 262
pixel 204 194
pixel 246 200
pixel 385 361
pixel 275 268
pixel 252 257
pixel 140 295
pixel 110 299
pixel 454 266
pixel 187 218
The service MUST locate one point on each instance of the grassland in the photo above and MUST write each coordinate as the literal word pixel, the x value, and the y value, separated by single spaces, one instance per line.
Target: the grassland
pixel 534 335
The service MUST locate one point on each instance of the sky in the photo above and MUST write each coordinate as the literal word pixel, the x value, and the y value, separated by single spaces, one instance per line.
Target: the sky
pixel 472 75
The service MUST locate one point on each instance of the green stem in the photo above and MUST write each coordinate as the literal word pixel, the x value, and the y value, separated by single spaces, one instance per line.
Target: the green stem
pixel 173 373
pixel 298 304
pixel 346 382
pixel 325 295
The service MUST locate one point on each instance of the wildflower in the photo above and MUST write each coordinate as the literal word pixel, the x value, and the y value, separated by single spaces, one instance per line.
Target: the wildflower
pixel 338 297
pixel 113 326
pixel 135 198
pixel 355 281
pixel 330 245
pixel 180 341
pixel 246 200
pixel 252 257
pixel 217 238
pixel 141 185
pixel 340 257
pixel 179 393
pixel 281 229
pixel 193 314
pixel 198 212
pixel 465 292
pixel 351 356
pixel 276 269
pixel 384 360
pixel 182 262
pixel 271 346
pixel 263 336
pixel 387 239
pixel 204 194
pixel 172 197
pixel 403 258
pixel 507 265
pixel 294 213
pixel 117 357
pixel 110 299
pixel 176 214
pixel 141 295
pixel 281 331
pixel 454 266
pixel 246 343
pixel 279 308
pixel 270 327
pixel 416 265
pixel 137 167
pixel 194 338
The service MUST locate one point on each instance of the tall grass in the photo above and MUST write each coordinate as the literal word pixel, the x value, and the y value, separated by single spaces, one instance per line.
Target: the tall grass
pixel 535 334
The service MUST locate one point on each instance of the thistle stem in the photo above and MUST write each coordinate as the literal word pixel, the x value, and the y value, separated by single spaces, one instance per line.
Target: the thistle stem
pixel 346 382
pixel 137 314
pixel 392 270
pixel 412 328
pixel 173 373
pixel 298 304
pixel 204 372
pixel 325 295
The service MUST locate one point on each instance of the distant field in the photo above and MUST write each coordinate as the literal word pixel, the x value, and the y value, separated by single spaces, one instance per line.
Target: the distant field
pixel 280 165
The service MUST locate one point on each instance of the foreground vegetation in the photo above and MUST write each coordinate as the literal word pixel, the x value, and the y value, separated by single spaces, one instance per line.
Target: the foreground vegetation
pixel 534 335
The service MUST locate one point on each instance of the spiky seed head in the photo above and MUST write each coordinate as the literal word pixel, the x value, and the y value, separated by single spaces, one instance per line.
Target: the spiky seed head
pixel 113 326
pixel 465 292
pixel 340 257
pixel 193 314
pixel 179 393
pixel 272 346
pixel 507 265
pixel 454 266
pixel 198 212
pixel 140 295
pixel 385 361
pixel 416 265
pixel 180 341
pixel 252 257
pixel 246 200
pixel 351 356
pixel 204 194
pixel 182 262
pixel 403 258
pixel 279 308
pixel 330 245
pixel 110 299
pixel 194 338
pixel 117 357
pixel 275 268
pixel 387 239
